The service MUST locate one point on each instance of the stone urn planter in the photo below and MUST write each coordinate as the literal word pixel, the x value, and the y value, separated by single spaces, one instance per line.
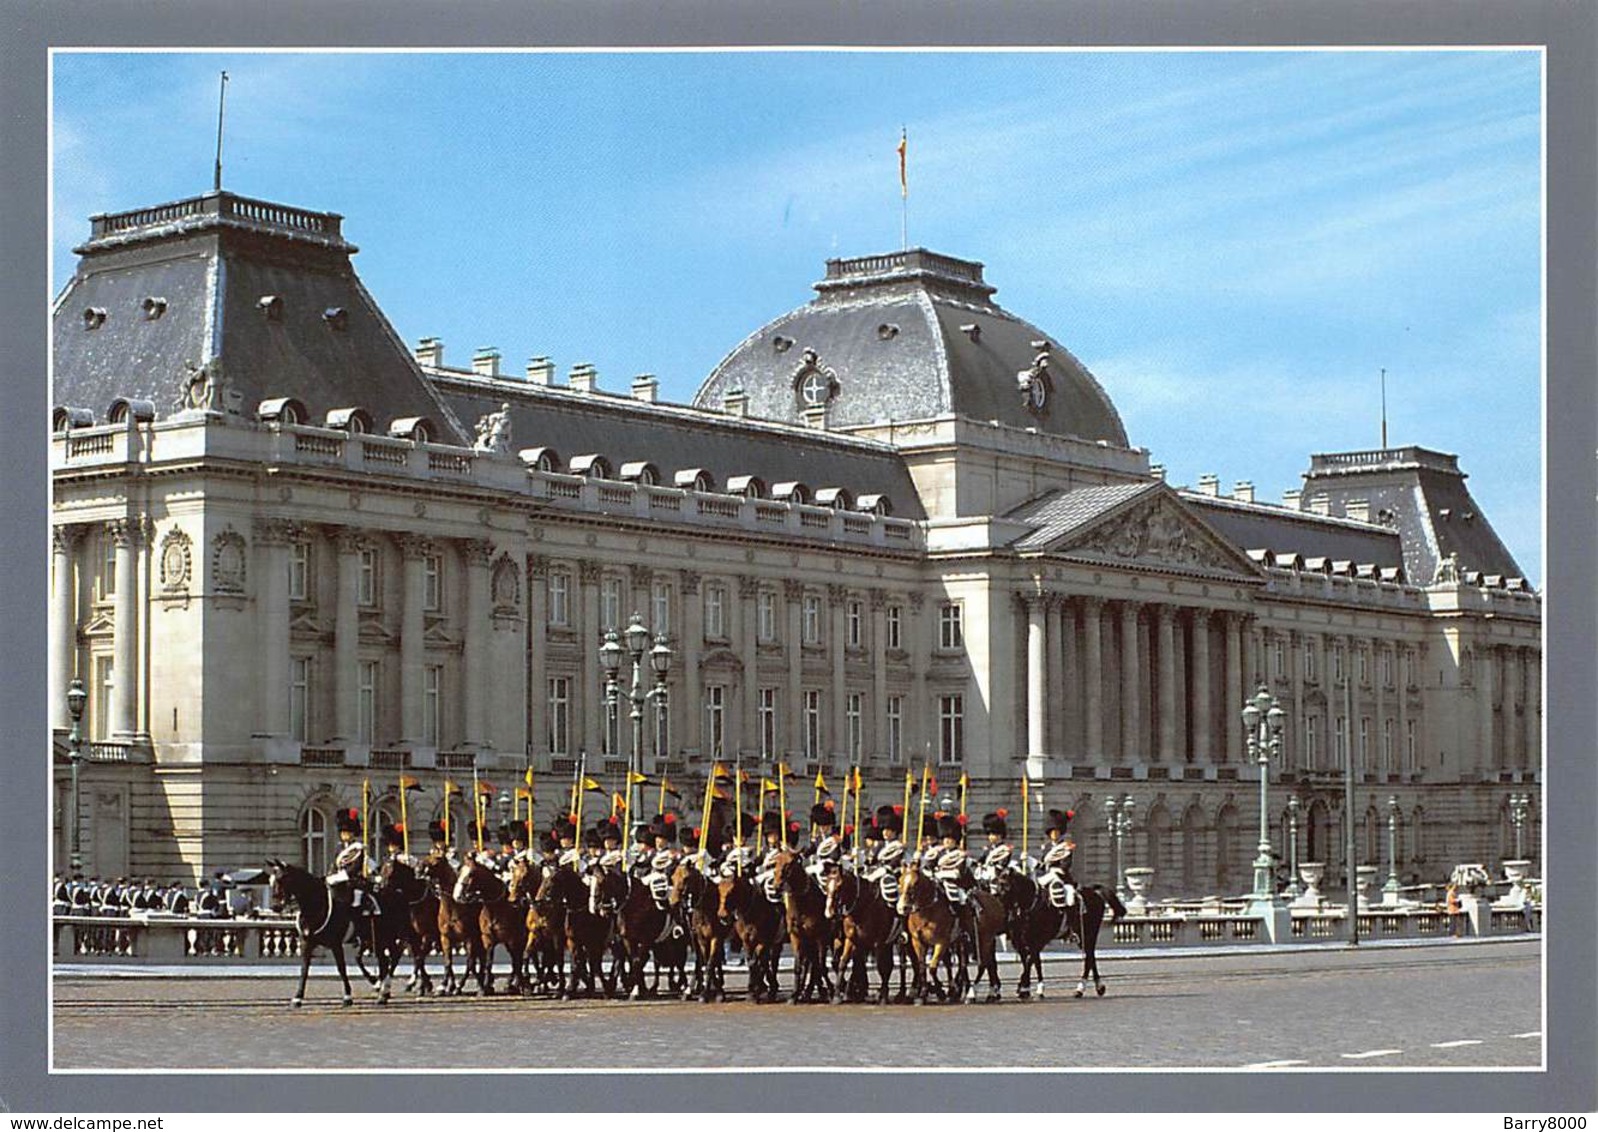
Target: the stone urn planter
pixel 1311 873
pixel 1138 882
pixel 1364 875
pixel 1515 872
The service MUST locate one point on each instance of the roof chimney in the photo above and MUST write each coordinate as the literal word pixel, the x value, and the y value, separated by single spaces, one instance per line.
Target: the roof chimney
pixel 735 403
pixel 430 352
pixel 816 416
pixel 485 362
pixel 584 378
pixel 541 371
pixel 1320 503
pixel 1358 509
pixel 646 388
pixel 1209 484
pixel 1244 491
pixel 1291 497
pixel 1157 471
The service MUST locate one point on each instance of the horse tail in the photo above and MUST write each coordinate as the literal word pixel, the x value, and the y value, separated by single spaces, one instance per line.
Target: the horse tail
pixel 1112 900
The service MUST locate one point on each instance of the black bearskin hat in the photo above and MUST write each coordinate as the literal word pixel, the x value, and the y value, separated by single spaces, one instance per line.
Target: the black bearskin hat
pixel 393 836
pixel 996 823
pixel 1057 820
pixel 348 821
pixel 770 822
pixel 435 831
pixel 821 815
pixel 890 820
pixel 549 842
pixel 666 826
pixel 949 826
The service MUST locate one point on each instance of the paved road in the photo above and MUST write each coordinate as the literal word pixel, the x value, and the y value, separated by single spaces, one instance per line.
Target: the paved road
pixel 1459 1005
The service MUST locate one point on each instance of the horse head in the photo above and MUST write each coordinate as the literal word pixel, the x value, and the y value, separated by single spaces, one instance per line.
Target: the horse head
pixel 396 875
pixel 280 893
pixel 521 873
pixel 731 895
pixel 909 879
pixel 548 890
pixel 682 882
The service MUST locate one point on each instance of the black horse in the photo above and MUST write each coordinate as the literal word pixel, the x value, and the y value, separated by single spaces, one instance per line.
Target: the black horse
pixel 588 934
pixel 1033 922
pixel 325 922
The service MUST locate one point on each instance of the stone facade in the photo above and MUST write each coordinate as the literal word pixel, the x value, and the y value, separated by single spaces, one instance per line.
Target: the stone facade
pixel 268 612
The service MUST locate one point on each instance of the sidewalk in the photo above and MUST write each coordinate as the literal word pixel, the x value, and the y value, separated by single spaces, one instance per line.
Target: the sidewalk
pixel 322 964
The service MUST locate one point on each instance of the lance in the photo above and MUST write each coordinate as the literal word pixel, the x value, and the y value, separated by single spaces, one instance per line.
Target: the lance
pixel 965 783
pixel 821 788
pixel 704 821
pixel 366 832
pixel 909 781
pixel 843 814
pixel 921 816
pixel 1026 814
pixel 854 846
pixel 405 825
pixel 782 799
pixel 578 792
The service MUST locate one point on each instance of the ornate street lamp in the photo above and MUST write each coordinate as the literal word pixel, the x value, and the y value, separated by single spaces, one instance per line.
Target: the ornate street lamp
pixel 76 698
pixel 1262 720
pixel 1292 844
pixel 1120 812
pixel 659 660
pixel 1519 807
pixel 1390 889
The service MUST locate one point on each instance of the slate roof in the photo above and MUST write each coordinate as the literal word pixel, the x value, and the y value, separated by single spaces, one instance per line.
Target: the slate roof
pixel 1285 531
pixel 1060 512
pixel 213 259
pixel 890 328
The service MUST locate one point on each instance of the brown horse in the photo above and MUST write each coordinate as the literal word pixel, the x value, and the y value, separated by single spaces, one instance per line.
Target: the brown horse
pixel 694 896
pixel 587 934
pixel 1034 923
pixel 758 927
pixel 868 922
pixel 810 931
pixel 499 922
pixel 397 880
pixel 457 925
pixel 546 925
pixel 931 923
pixel 641 924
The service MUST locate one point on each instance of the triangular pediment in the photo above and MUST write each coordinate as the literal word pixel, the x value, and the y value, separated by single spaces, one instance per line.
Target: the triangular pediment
pixel 1154 530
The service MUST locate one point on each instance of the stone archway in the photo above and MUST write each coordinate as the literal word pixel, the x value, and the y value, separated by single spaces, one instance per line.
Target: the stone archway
pixel 1228 853
pixel 1192 848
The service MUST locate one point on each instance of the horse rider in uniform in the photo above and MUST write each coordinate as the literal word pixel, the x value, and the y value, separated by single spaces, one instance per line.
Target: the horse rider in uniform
pixel 771 829
pixel 740 856
pixel 1000 854
pixel 827 853
pixel 1057 880
pixel 953 871
pixel 346 882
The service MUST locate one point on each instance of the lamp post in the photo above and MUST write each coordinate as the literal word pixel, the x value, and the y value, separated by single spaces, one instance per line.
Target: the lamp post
pixel 610 658
pixel 504 808
pixel 76 698
pixel 1519 807
pixel 1292 844
pixel 1262 720
pixel 1120 812
pixel 1390 889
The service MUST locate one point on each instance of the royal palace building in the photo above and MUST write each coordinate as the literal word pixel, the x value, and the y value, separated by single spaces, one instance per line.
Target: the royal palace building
pixel 896 525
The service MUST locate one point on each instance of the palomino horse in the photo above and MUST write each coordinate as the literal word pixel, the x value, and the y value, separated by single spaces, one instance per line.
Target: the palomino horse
pixel 757 923
pixel 325 922
pixel 804 906
pixel 397 881
pixel 457 924
pixel 694 896
pixel 587 933
pixel 499 921
pixel 1034 922
pixel 933 926
pixel 546 925
pixel 868 922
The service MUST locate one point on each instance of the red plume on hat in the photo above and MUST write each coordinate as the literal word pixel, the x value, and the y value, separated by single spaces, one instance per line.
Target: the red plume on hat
pixel 1002 812
pixel 961 819
pixel 829 804
pixel 793 827
pixel 898 811
pixel 670 819
pixel 399 827
pixel 848 830
pixel 612 820
pixel 1070 814
pixel 353 814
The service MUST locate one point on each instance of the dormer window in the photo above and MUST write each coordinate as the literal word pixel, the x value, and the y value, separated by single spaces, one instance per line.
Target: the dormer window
pixel 154 307
pixel 337 318
pixel 271 306
pixel 814 384
pixel 93 318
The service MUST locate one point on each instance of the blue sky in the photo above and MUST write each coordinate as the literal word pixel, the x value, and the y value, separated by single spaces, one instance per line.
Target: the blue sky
pixel 1235 243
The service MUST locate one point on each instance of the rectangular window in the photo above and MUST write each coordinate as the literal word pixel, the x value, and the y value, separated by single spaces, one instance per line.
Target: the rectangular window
pixel 661 601
pixel 895 627
pixel 432 702
pixel 951 729
pixel 366 587
pixel 766 608
pixel 610 604
pixel 1365 742
pixel 107 580
pixel 854 619
pixel 812 724
pixel 1309 661
pixel 1409 669
pixel 853 713
pixel 559 600
pixel 662 730
pixel 560 696
pixel 1387 746
pixel 1364 668
pixel 768 723
pixel 1280 659
pixel 895 729
pixel 104 681
pixel 1409 745
pixel 300 698
pixel 950 633
pixel 715 718
pixel 1387 669
pixel 366 702
pixel 300 571
pixel 812 619
pixel 1342 741
pixel 715 615
pixel 1337 665
pixel 1311 746
pixel 433 583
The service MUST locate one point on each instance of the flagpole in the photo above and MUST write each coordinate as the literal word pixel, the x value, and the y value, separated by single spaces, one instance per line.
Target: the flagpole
pixel 221 107
pixel 904 190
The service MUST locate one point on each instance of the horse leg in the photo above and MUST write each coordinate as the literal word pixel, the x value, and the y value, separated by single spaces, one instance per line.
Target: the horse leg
pixel 306 947
pixel 343 973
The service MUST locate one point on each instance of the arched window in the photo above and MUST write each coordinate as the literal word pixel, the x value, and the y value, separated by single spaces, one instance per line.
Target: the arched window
pixel 1192 847
pixel 315 829
pixel 1226 848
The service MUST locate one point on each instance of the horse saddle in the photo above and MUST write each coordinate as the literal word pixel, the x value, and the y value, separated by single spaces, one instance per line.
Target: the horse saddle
pixel 1061 894
pixel 660 889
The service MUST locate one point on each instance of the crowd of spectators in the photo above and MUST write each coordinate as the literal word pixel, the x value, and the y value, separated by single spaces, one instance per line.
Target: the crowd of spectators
pixel 219 899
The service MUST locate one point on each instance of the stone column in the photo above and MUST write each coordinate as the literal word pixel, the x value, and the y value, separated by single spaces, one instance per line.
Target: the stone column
pixel 1387 764
pixel 879 680
pixel 837 597
pixel 124 689
pixel 918 728
pixel 64 542
pixel 749 643
pixel 346 634
pixel 1165 616
pixel 1401 739
pixel 414 550
pixel 689 720
pixel 1068 682
pixel 1296 717
pixel 1532 722
pixel 1037 678
pixel 590 705
pixel 476 553
pixel 272 538
pixel 537 653
pixel 1203 695
pixel 1486 693
pixel 793 728
pixel 1093 676
pixel 1238 690
pixel 1131 685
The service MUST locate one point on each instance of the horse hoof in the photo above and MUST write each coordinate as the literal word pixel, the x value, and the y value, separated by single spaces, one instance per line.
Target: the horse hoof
pixel 1100 991
pixel 348 1001
pixel 1078 994
pixel 296 1002
pixel 382 998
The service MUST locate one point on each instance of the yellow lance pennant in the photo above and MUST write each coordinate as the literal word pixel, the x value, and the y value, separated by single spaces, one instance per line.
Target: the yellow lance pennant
pixel 406 785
